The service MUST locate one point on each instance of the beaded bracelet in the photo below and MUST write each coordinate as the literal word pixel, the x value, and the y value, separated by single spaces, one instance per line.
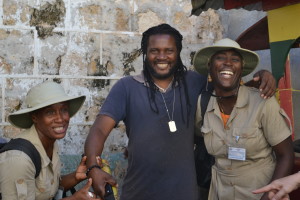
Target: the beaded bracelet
pixel 92 167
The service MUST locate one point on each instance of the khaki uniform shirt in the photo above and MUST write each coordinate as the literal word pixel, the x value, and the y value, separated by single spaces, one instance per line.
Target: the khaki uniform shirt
pixel 17 172
pixel 256 125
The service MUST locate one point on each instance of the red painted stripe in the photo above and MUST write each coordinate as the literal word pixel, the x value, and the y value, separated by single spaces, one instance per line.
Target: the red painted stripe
pixel 285 94
pixel 230 4
pixel 273 4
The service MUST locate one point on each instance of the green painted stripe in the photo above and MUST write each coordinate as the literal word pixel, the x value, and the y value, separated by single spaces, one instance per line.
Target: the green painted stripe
pixel 279 53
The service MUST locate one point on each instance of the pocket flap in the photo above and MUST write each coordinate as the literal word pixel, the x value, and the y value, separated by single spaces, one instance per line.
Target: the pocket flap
pixel 245 132
pixel 205 130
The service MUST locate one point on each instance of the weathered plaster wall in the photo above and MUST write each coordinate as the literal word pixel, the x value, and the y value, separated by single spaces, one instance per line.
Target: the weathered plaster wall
pixel 87 45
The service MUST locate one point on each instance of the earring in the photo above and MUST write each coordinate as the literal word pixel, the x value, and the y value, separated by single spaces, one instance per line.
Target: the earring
pixel 209 79
pixel 241 82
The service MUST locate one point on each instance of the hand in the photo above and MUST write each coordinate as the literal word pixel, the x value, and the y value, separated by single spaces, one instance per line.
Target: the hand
pixel 100 179
pixel 271 195
pixel 265 82
pixel 84 193
pixel 280 188
pixel 265 196
pixel 81 169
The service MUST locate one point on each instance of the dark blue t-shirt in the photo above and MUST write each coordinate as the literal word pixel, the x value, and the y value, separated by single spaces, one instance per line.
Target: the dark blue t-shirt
pixel 160 163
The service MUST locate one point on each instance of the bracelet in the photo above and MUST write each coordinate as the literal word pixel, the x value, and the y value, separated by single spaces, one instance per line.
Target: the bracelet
pixel 92 167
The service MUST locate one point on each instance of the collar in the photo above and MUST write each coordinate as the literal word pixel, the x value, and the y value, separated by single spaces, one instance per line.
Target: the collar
pixel 140 78
pixel 32 135
pixel 242 99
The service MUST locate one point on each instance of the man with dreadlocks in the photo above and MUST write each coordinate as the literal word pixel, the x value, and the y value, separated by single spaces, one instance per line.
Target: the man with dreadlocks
pixel 158 108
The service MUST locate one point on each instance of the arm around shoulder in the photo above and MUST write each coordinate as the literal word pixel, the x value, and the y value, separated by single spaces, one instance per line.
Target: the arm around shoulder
pixel 265 82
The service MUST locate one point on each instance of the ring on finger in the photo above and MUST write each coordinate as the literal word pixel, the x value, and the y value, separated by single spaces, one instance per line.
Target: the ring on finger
pixel 90 194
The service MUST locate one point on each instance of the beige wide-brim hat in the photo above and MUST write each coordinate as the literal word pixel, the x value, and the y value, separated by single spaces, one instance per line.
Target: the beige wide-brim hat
pixel 203 56
pixel 40 96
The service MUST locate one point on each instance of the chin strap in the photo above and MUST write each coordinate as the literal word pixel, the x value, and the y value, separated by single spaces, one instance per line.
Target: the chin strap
pixel 225 97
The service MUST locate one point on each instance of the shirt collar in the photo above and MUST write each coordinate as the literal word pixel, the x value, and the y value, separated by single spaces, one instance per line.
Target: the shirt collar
pixel 243 97
pixel 141 79
pixel 32 135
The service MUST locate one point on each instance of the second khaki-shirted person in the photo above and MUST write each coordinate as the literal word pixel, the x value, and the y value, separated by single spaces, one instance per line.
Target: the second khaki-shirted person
pixel 249 136
pixel 253 125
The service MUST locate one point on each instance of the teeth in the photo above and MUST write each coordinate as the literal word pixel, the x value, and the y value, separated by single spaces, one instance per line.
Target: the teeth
pixel 227 72
pixel 59 129
pixel 162 65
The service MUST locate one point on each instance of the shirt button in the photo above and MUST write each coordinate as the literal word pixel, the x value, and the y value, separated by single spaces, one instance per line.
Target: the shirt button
pixel 20 181
pixel 42 190
pixel 52 181
pixel 226 128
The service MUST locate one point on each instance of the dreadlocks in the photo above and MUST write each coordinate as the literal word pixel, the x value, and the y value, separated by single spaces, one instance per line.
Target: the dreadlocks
pixel 180 69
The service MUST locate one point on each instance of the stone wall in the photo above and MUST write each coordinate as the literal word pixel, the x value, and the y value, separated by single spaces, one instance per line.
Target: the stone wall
pixel 87 45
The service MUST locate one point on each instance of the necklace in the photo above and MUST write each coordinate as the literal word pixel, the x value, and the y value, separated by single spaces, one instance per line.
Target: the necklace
pixel 224 116
pixel 220 106
pixel 162 89
pixel 171 123
pixel 225 97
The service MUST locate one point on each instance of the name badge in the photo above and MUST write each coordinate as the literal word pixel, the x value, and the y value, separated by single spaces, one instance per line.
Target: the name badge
pixel 235 153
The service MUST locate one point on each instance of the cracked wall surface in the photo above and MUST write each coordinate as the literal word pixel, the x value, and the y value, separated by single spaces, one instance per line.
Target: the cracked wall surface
pixel 87 46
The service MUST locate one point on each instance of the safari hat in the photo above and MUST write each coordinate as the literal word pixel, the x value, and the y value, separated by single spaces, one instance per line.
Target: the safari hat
pixel 203 56
pixel 40 96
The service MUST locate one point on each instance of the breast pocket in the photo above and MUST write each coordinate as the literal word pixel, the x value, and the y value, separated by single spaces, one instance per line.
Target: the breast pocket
pixel 245 138
pixel 43 189
pixel 215 144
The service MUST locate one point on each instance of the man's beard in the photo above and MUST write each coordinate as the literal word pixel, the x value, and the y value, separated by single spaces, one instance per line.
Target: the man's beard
pixel 157 75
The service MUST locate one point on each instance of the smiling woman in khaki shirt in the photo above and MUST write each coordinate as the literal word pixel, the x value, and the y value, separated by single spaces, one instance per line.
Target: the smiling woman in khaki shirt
pixel 247 135
pixel 45 120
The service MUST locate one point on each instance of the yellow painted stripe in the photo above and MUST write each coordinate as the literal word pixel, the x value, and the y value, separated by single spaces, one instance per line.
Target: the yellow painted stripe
pixel 288 89
pixel 284 23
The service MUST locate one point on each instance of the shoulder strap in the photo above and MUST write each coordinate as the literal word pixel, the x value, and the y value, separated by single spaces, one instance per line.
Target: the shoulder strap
pixel 204 99
pixel 2 145
pixel 205 96
pixel 28 148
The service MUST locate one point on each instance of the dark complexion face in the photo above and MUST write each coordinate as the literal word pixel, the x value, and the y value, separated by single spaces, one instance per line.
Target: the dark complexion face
pixel 226 70
pixel 52 121
pixel 162 56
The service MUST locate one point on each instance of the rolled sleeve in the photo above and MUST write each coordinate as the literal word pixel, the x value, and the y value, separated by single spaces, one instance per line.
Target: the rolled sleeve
pixel 275 119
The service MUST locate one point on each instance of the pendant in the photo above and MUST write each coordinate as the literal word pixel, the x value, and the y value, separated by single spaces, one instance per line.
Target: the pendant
pixel 172 126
